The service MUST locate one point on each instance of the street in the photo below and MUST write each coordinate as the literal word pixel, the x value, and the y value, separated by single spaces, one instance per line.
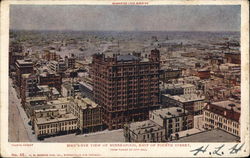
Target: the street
pixel 19 130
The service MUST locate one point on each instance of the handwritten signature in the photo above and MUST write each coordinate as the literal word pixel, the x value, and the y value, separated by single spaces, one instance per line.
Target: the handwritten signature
pixel 219 150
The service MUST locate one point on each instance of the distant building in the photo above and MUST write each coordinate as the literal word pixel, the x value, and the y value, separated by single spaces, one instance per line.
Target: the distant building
pixel 70 61
pixel 167 74
pixel 58 66
pixel 51 79
pixel 50 55
pixel 203 74
pixel 193 103
pixel 15 53
pixel 89 114
pixel 224 115
pixel 177 89
pixel 173 120
pixel 70 89
pixel 50 92
pixel 49 122
pixel 232 57
pixel 126 86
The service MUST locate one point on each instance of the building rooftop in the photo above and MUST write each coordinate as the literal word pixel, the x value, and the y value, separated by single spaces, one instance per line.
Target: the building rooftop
pixel 45 70
pixel 44 88
pixel 143 127
pixel 38 98
pixel 186 97
pixel 167 68
pixel 190 78
pixel 71 85
pixel 169 112
pixel 55 91
pixel 42 107
pixel 25 75
pixel 85 103
pixel 64 117
pixel 53 62
pixel 45 110
pixel 215 135
pixel 230 110
pixel 177 85
pixel 228 105
pixel 59 101
pixel 67 85
pixel 24 62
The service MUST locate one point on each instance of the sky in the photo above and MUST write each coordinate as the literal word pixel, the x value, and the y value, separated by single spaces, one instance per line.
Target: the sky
pixel 125 18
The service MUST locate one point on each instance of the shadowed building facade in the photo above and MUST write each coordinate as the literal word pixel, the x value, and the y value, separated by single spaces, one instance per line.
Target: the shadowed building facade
pixel 126 86
pixel 22 67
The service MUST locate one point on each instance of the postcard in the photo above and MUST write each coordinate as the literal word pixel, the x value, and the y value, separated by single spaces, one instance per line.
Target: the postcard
pixel 124 78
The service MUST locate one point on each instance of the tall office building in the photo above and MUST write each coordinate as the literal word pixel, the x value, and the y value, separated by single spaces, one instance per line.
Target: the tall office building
pixel 126 86
pixel 23 67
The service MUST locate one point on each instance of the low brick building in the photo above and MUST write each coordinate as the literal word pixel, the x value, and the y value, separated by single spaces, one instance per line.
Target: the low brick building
pixel 173 120
pixel 89 114
pixel 193 103
pixel 50 79
pixel 224 115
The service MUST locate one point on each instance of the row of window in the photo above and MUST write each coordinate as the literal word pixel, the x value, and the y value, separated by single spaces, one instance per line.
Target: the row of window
pixel 220 125
pixel 220 119
pixel 132 73
pixel 176 119
pixel 48 131
pixel 153 135
pixel 134 69
pixel 56 124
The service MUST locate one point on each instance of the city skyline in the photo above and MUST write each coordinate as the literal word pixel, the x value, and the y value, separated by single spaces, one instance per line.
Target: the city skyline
pixel 111 18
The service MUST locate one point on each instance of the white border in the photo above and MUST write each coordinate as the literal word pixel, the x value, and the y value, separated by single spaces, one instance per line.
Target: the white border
pixel 7 149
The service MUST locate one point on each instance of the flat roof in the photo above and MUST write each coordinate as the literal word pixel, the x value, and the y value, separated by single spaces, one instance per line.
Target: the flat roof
pixel 28 99
pixel 169 112
pixel 59 101
pixel 44 88
pixel 142 127
pixel 24 61
pixel 85 103
pixel 25 75
pixel 65 117
pixel 67 85
pixel 215 135
pixel 177 85
pixel 45 110
pixel 186 97
pixel 225 104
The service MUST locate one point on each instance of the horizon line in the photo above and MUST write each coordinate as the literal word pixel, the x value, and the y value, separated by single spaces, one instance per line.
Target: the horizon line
pixel 128 30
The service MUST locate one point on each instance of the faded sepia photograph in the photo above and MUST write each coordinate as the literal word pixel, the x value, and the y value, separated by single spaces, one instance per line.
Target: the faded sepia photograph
pixel 124 73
